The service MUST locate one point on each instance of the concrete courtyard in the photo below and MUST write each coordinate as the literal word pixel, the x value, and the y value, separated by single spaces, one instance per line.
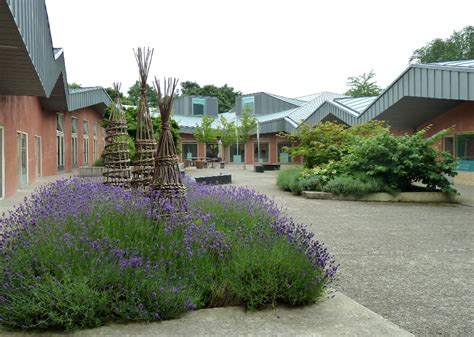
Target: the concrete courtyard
pixel 413 264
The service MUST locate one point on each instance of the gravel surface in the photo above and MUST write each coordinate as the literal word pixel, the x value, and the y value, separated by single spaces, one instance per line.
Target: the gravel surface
pixel 411 263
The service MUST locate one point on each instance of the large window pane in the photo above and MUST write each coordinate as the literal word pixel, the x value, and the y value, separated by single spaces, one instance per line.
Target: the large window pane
pixel 74 125
pixel 449 145
pixel 60 122
pixel 264 153
pixel 283 157
pixel 248 104
pixel 199 106
pixel 465 146
pixel 189 151
pixel 234 153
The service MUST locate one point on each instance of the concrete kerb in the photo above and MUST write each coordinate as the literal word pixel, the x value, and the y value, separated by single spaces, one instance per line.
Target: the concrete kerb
pixel 422 197
pixel 338 316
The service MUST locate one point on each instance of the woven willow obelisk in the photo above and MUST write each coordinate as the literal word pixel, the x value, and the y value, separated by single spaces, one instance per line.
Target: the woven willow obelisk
pixel 167 178
pixel 117 156
pixel 144 163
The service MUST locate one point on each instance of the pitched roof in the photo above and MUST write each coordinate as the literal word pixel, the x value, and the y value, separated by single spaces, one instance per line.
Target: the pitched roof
pixel 35 67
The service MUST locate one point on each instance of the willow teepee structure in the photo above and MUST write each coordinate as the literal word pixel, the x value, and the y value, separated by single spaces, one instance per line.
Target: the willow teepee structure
pixel 167 178
pixel 117 156
pixel 145 144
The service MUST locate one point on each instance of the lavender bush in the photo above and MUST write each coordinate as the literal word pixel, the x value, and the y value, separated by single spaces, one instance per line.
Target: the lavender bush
pixel 78 254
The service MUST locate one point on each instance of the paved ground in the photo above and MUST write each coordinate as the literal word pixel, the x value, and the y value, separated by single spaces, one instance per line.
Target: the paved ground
pixel 413 264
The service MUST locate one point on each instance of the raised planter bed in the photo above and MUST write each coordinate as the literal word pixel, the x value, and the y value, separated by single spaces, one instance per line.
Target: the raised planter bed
pixel 271 167
pixel 427 197
pixel 215 180
pixel 258 168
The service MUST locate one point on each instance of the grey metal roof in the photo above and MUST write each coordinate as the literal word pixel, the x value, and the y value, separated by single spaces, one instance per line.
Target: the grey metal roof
pixel 302 113
pixel 420 93
pixel 31 66
pixel 460 63
pixel 293 101
pixel 308 98
pixel 358 104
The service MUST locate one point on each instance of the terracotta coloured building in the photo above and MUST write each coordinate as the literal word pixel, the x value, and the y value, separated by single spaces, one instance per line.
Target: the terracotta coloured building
pixel 45 127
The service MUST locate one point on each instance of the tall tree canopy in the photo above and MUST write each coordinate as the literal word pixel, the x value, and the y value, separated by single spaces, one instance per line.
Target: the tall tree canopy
pixel 134 94
pixel 363 85
pixel 459 46
pixel 225 94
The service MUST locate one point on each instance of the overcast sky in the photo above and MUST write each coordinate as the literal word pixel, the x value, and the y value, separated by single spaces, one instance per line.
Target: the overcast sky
pixel 289 48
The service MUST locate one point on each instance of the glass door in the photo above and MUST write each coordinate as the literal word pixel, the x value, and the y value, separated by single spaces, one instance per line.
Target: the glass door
pixel 22 144
pixel 60 150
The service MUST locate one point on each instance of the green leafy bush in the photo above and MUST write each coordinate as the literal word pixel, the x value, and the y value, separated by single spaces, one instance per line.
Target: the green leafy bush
pixel 399 161
pixel 287 178
pixel 311 183
pixel 328 141
pixel 347 185
pixel 99 162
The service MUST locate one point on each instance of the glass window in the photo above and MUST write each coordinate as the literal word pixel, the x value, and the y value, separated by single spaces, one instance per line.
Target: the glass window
pixel 283 157
pixel 465 146
pixel 237 157
pixel 264 153
pixel 60 122
pixel 96 130
pixel 248 104
pixel 74 125
pixel 85 126
pixel 199 106
pixel 448 144
pixel 189 151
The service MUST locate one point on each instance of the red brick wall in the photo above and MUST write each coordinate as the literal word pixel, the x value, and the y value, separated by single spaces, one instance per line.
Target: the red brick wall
pixel 24 114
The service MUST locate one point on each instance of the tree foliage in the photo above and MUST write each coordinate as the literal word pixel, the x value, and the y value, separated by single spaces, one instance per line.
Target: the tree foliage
pixel 247 123
pixel 134 94
pixel 459 46
pixel 363 85
pixel 328 141
pixel 204 132
pixel 227 131
pixel 74 85
pixel 225 94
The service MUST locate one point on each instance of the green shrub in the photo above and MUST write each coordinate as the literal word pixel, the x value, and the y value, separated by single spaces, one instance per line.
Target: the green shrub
pixel 347 185
pixel 311 183
pixel 99 162
pixel 399 161
pixel 287 178
pixel 329 141
pixel 272 272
